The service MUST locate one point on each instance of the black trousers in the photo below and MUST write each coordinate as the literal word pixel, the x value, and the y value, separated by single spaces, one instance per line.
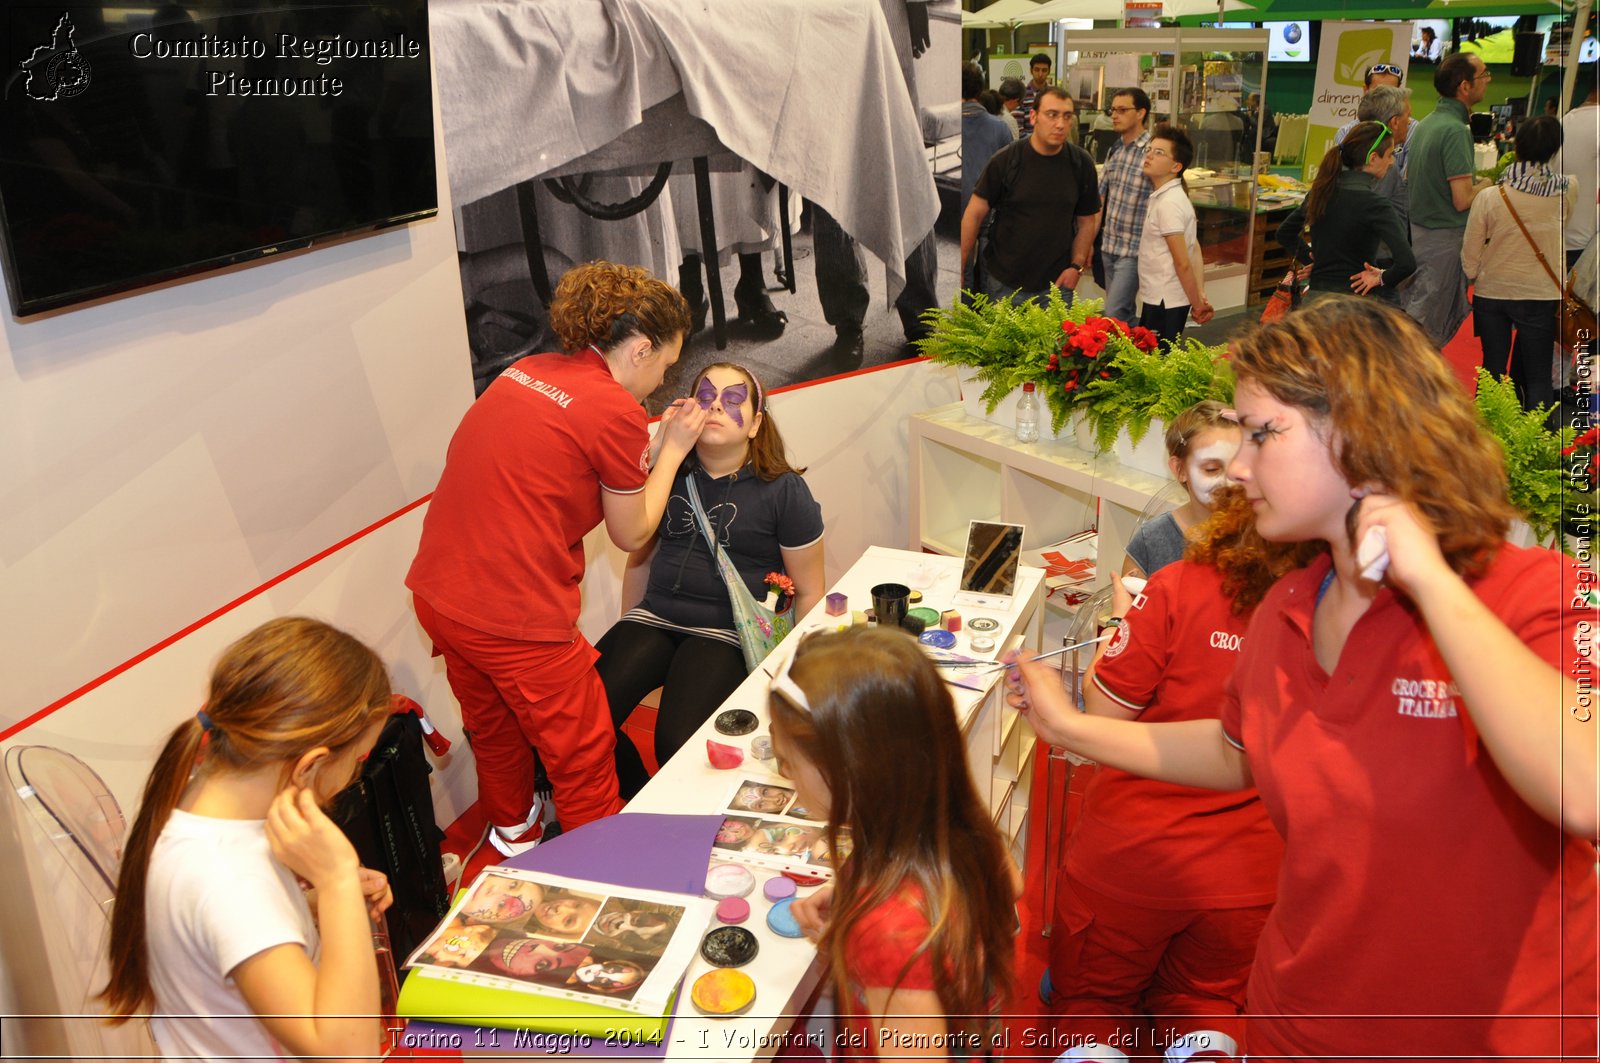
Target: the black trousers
pixel 696 675
pixel 1165 321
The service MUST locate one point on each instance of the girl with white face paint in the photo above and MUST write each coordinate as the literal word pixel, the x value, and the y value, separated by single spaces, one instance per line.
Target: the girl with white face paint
pixel 1201 442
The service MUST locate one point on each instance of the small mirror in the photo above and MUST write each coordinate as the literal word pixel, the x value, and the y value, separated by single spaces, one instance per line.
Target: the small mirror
pixel 989 569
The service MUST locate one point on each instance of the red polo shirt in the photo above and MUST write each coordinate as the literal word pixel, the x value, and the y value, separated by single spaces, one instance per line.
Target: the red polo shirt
pixel 502 543
pixel 1423 908
pixel 1152 843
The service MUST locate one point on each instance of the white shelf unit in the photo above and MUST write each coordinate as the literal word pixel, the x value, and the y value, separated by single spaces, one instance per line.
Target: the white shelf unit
pixel 965 469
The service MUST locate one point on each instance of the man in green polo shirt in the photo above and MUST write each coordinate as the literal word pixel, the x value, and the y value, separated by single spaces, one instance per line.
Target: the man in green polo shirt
pixel 1439 175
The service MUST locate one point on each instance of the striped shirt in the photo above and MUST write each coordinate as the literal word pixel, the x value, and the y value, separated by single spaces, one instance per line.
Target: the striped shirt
pixel 645 616
pixel 1124 189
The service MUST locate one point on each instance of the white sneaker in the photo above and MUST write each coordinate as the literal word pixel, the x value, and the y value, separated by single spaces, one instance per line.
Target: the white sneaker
pixel 506 848
pixel 500 837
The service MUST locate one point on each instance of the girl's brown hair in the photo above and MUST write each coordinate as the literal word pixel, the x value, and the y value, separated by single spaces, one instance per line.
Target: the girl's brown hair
pixel 603 303
pixel 767 452
pixel 881 730
pixel 1203 415
pixel 1351 153
pixel 284 689
pixel 1228 542
pixel 1394 414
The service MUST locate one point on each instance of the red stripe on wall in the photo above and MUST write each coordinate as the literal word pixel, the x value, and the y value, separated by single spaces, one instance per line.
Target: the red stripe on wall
pixel 28 721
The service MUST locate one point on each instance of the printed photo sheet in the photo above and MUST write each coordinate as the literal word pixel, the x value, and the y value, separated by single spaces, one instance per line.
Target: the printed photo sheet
pixel 566 938
pixel 765 825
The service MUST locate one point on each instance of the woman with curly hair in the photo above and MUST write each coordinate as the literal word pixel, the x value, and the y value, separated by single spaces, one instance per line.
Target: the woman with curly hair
pixel 554 446
pixel 1164 888
pixel 1414 707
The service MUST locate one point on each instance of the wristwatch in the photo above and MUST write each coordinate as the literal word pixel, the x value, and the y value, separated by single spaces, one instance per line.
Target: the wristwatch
pixel 1113 622
pixel 1075 266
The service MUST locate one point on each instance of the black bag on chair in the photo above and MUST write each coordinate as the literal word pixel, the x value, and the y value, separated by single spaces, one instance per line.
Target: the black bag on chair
pixel 388 816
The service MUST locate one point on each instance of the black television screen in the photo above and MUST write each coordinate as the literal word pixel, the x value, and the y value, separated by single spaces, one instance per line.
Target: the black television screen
pixel 143 141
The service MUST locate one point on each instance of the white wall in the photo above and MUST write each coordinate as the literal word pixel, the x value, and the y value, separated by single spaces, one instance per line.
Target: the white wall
pixel 169 452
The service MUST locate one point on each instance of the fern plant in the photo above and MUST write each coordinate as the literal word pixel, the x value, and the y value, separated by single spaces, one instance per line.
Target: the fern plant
pixel 1535 469
pixel 1078 360
pixel 1155 385
pixel 1006 345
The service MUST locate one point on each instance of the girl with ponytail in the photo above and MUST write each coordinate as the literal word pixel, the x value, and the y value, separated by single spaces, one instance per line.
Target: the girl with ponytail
pixel 211 933
pixel 1343 222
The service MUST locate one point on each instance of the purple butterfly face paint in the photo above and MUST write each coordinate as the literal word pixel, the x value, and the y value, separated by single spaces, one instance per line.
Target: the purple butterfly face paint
pixel 733 397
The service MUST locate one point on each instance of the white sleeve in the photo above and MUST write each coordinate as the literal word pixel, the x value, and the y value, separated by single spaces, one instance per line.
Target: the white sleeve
pixel 248 911
pixel 1169 213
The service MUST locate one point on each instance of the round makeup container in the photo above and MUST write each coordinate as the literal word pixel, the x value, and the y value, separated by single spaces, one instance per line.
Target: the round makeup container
pixel 729 880
pixel 729 946
pixel 723 993
pixel 736 722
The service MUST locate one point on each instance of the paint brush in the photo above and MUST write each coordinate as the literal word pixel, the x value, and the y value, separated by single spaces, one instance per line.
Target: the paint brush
pixel 992 665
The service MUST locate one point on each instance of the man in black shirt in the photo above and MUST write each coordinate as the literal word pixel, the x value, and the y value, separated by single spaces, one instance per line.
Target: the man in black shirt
pixel 1045 195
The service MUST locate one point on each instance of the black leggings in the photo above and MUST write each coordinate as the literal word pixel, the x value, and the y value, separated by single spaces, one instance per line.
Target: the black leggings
pixel 697 674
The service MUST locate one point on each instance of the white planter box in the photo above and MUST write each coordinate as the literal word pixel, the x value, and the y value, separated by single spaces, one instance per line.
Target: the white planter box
pixel 1005 412
pixel 1150 455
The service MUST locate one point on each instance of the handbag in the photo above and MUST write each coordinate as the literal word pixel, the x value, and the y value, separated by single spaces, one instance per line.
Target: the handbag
pixel 759 628
pixel 1575 319
pixel 1285 297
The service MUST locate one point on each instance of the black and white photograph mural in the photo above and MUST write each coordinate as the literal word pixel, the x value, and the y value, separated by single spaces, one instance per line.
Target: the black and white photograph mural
pixel 775 161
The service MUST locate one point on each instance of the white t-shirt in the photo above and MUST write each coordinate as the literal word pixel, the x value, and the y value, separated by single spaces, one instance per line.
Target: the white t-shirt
pixel 1169 211
pixel 1580 155
pixel 214 898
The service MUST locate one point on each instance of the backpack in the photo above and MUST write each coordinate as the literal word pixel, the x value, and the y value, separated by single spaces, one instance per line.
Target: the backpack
pixel 387 814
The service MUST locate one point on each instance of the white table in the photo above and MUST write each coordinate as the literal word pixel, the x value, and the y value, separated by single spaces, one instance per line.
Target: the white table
pixel 999 752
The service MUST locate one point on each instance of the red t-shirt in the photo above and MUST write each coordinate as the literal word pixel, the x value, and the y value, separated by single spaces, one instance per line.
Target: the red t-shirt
pixel 502 543
pixel 1152 843
pixel 880 943
pixel 1418 890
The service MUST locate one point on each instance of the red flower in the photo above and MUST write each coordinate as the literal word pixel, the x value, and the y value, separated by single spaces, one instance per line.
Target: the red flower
pixel 1588 439
pixel 1069 385
pixel 777 581
pixel 1144 339
pixel 1104 375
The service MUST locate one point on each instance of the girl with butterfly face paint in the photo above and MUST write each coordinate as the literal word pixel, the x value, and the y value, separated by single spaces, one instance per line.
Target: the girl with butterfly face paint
pixel 677 630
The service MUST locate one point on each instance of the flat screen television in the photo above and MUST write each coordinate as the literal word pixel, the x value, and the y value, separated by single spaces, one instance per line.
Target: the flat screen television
pixel 142 142
pixel 1290 42
pixel 1490 37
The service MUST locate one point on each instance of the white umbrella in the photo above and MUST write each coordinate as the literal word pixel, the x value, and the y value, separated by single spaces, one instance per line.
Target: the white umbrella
pixel 1004 14
pixel 1052 10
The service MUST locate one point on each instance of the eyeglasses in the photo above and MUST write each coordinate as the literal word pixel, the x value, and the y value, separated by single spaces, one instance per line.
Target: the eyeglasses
pixel 1160 153
pixel 1482 76
pixel 1388 68
pixel 1120 110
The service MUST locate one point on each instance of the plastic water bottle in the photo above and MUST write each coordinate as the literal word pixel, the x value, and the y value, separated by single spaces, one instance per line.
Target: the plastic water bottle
pixel 1028 415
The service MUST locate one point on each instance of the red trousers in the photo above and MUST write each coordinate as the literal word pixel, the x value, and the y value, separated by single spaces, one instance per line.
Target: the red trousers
pixel 520 696
pixel 1138 978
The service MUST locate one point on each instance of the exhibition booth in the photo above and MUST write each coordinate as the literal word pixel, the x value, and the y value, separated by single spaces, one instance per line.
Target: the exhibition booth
pixel 215 418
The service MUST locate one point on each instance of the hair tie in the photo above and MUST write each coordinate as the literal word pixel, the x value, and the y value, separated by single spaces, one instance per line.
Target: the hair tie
pixel 205 721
